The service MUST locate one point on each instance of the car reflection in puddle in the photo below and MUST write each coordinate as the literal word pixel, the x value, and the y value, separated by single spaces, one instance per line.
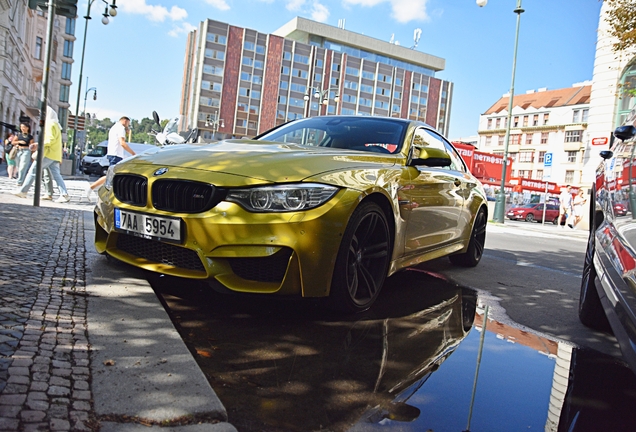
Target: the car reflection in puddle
pixel 408 364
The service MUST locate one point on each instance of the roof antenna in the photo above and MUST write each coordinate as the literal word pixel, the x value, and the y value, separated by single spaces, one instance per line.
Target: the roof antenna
pixel 341 23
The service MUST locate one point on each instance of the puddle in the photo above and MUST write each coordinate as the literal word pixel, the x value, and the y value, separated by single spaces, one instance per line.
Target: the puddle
pixel 409 364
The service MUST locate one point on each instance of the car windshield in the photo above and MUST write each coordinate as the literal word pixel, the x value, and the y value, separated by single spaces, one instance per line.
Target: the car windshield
pixel 528 206
pixel 171 126
pixel 380 135
pixel 98 151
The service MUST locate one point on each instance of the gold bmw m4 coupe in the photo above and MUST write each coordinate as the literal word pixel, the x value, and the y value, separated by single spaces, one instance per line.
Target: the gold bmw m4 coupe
pixel 319 207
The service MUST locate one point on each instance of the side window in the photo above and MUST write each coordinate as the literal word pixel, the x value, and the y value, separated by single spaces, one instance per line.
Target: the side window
pixel 424 137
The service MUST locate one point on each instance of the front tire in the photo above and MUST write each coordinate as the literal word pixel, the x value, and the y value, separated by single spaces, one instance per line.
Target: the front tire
pixel 529 217
pixel 362 261
pixel 473 255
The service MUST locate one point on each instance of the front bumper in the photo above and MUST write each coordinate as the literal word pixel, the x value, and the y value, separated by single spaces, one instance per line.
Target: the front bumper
pixel 283 253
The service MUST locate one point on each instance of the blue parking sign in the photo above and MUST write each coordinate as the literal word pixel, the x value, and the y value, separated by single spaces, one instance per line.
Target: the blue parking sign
pixel 547 160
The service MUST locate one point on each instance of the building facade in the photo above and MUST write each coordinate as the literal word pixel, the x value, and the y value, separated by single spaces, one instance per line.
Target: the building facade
pixel 22 52
pixel 238 82
pixel 542 122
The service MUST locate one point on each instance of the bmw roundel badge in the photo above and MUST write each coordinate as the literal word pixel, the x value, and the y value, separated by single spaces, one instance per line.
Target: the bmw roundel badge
pixel 160 171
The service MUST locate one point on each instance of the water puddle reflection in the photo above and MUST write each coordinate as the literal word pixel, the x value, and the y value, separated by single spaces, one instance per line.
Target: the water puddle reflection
pixel 409 364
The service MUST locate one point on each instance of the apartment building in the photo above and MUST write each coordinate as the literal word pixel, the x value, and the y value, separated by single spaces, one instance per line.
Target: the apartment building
pixel 240 82
pixel 22 51
pixel 542 121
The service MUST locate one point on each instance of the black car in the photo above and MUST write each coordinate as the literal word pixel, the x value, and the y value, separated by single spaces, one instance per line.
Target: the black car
pixel 608 286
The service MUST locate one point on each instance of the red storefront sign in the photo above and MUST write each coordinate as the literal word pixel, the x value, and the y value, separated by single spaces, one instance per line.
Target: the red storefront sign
pixel 486 167
pixel 599 141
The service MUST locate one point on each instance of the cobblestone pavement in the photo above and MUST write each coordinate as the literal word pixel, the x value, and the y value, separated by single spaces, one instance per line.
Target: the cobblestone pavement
pixel 44 349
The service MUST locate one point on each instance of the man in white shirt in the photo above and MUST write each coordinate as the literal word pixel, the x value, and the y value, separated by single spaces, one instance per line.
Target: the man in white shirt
pixel 117 141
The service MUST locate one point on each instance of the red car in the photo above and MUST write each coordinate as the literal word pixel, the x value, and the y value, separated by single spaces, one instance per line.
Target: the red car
pixel 620 209
pixel 534 212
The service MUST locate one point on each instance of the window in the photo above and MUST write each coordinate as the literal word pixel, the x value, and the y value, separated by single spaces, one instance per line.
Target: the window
pixel 426 138
pixel 382 105
pixel 296 102
pixel 385 78
pixel 527 139
pixel 66 71
pixel 335 67
pixel 249 46
pixel 334 81
pixel 348 111
pixel 576 116
pixel 284 70
pixel 573 136
pixel 219 55
pixel 244 92
pixel 525 121
pixel 64 92
pixel 284 85
pixel 416 86
pixel 256 94
pixel 571 156
pixel 260 49
pixel 398 82
pixel 488 140
pixel 301 59
pixel 349 98
pixel 247 61
pixel 368 75
pixel 365 102
pixel 282 100
pixel 211 37
pixel 526 156
pixel 584 115
pixel 539 175
pixel 366 88
pixel 298 88
pixel 382 91
pixel 498 123
pixel 256 79
pixel 352 71
pixel 213 70
pixel 286 55
pixel 569 176
pixel 70 27
pixel 397 95
pixel 515 139
pixel 207 101
pixel 500 141
pixel 258 64
pixel 68 49
pixel 546 118
pixel 489 124
pixel 351 85
pixel 525 173
pixel 515 122
pixel 317 78
pixel 246 76
pixel 544 137
pixel 299 73
pixel 535 120
pixel 319 63
pixel 38 48
pixel 541 157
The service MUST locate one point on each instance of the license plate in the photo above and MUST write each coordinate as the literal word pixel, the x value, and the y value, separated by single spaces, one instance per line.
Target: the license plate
pixel 148 226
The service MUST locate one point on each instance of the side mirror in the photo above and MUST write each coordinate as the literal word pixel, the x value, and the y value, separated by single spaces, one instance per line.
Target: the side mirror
pixel 430 157
pixel 155 116
pixel 606 154
pixel 625 132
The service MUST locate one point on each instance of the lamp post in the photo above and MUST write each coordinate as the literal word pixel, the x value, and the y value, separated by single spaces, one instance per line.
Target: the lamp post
pixel 321 95
pixel 215 122
pixel 112 12
pixel 500 205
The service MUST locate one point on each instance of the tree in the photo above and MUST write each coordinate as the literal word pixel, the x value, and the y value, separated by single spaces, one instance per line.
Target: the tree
pixel 621 18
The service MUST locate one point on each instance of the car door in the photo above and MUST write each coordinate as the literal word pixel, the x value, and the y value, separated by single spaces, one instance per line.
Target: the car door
pixel 434 200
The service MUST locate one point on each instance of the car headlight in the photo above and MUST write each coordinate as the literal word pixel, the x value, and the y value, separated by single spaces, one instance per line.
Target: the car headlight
pixel 108 184
pixel 283 198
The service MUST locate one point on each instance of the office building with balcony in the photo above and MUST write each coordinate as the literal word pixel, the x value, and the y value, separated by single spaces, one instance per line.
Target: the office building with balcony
pixel 542 121
pixel 239 82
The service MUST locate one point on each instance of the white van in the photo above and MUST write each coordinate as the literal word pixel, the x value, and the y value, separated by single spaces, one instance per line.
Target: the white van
pixel 97 163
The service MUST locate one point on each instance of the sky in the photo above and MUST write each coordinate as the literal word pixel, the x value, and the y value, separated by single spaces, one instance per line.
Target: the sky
pixel 136 61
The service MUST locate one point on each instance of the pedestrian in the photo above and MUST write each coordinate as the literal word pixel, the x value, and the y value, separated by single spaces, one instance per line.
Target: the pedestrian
pixel 51 158
pixel 12 169
pixel 565 206
pixel 577 205
pixel 117 146
pixel 25 143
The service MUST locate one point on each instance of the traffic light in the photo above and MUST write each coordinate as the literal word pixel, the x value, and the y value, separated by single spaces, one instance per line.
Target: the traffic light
pixel 65 8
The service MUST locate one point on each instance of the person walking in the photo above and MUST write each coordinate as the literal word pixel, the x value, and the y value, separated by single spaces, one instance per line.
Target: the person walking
pixel 12 169
pixel 51 158
pixel 117 146
pixel 24 141
pixel 565 207
pixel 577 206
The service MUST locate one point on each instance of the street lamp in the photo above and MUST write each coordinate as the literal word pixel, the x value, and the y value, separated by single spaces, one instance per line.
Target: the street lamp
pixel 113 12
pixel 500 205
pixel 215 122
pixel 321 95
pixel 92 89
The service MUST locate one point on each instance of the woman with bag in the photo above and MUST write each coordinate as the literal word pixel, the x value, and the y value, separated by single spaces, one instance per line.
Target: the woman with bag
pixel 23 158
pixel 51 159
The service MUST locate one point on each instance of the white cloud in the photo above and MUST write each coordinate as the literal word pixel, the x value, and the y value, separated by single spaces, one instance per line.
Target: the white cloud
pixel 219 4
pixel 153 12
pixel 183 28
pixel 403 10
pixel 294 5
pixel 319 12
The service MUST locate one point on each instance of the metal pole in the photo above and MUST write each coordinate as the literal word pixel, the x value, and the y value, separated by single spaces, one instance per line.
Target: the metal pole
pixel 481 349
pixel 45 90
pixel 545 202
pixel 79 90
pixel 500 205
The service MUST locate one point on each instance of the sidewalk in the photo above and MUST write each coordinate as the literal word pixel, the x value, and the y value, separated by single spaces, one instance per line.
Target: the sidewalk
pixel 85 344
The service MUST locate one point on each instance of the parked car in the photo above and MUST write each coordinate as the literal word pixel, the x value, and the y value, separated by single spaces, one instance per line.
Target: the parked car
pixel 620 209
pixel 534 212
pixel 608 297
pixel 320 207
pixel 96 162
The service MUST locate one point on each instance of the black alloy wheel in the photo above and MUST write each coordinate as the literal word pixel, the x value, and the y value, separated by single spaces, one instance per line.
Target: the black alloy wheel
pixel 362 261
pixel 591 312
pixel 473 255
pixel 529 217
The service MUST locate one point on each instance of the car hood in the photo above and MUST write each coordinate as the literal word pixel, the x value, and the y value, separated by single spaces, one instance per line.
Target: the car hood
pixel 263 160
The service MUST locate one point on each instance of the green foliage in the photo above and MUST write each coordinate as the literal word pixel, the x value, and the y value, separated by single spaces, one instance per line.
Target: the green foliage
pixel 621 17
